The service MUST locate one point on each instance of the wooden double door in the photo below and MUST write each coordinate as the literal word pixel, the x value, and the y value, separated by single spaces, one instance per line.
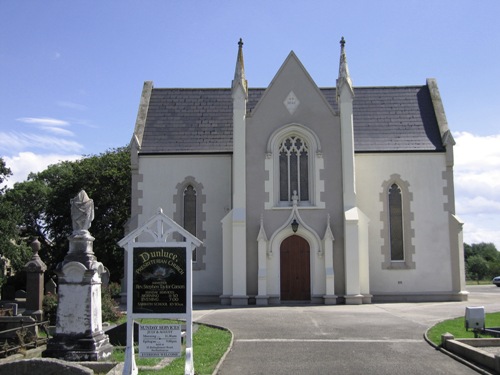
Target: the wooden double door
pixel 295 271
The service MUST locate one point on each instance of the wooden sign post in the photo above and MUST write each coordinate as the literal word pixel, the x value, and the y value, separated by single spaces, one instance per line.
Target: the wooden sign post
pixel 159 281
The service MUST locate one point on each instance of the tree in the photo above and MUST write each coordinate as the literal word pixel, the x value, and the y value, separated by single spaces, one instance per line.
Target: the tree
pixel 488 252
pixel 477 267
pixel 5 172
pixel 12 246
pixel 44 200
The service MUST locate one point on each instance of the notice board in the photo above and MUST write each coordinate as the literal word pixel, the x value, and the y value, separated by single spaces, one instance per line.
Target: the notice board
pixel 159 280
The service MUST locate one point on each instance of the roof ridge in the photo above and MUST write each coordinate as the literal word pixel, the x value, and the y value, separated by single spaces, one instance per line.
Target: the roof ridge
pixel 392 87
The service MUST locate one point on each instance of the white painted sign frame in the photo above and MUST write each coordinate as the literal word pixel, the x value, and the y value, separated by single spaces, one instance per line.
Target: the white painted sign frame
pixel 160 229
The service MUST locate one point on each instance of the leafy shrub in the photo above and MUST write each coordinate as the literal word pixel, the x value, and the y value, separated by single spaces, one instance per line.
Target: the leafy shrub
pixel 49 307
pixel 114 289
pixel 109 306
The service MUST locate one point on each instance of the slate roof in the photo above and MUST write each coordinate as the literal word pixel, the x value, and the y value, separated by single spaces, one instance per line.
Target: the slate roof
pixel 386 119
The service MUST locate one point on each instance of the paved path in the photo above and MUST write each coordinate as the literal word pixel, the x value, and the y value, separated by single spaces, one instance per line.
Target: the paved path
pixel 366 339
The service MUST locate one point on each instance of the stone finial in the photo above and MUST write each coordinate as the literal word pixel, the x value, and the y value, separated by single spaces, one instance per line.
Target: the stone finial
pixel 343 68
pixel 344 78
pixel 82 212
pixel 262 236
pixel 342 42
pixel 295 198
pixel 35 246
pixel 35 264
pixel 239 72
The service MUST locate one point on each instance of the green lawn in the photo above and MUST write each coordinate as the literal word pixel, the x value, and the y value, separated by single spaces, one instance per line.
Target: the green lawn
pixel 480 282
pixel 457 328
pixel 209 345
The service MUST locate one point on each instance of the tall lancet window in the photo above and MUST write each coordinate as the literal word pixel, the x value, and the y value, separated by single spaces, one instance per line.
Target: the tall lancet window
pixel 190 212
pixel 294 169
pixel 396 223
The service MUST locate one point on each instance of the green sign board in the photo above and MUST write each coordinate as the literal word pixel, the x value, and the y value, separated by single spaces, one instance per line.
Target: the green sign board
pixel 159 280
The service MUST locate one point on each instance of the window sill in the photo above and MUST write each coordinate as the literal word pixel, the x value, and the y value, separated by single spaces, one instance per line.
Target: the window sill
pixel 397 265
pixel 278 208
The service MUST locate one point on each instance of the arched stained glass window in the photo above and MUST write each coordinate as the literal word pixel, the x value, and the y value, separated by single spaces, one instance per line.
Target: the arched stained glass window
pixel 396 223
pixel 294 168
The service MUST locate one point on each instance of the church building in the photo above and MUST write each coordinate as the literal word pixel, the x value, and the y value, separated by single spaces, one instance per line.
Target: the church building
pixel 304 194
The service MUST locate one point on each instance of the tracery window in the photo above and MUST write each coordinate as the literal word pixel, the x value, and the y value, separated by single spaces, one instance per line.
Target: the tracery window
pixel 294 162
pixel 293 169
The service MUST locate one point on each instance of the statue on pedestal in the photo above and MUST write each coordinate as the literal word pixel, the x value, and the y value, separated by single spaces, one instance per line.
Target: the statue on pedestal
pixel 82 213
pixel 79 335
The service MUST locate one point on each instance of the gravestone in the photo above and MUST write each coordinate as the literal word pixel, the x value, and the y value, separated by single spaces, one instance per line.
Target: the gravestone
pixel 50 287
pixel 12 306
pixel 79 335
pixel 35 269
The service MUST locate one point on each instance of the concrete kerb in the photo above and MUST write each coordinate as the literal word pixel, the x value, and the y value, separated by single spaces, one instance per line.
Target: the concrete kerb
pixel 219 364
pixel 457 358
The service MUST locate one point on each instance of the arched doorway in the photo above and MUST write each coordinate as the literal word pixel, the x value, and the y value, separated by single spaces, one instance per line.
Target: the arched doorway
pixel 295 273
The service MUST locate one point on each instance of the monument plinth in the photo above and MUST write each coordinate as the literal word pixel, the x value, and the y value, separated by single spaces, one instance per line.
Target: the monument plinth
pixel 79 335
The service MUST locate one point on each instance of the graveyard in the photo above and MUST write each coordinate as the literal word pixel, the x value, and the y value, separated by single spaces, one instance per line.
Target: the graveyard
pixel 62 323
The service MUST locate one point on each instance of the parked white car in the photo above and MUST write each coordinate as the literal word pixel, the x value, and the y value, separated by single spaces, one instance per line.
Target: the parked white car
pixel 496 281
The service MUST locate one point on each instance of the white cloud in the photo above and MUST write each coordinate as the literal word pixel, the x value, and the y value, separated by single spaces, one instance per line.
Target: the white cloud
pixel 58 131
pixel 22 141
pixel 477 186
pixel 24 163
pixel 83 122
pixel 47 121
pixel 477 205
pixel 71 105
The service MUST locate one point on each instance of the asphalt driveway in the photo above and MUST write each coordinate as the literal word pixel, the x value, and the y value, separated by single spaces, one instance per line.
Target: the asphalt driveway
pixel 373 339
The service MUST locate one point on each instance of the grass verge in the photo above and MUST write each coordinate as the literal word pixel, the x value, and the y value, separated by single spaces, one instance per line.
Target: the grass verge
pixel 209 345
pixel 457 328
pixel 480 282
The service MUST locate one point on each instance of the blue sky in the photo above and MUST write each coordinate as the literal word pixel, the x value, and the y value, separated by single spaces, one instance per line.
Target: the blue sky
pixel 71 73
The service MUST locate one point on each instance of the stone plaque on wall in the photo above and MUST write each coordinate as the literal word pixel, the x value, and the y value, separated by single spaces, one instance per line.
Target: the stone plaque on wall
pixel 159 281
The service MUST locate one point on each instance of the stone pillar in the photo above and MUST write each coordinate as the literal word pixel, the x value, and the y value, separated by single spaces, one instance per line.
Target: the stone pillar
pixel 35 269
pixel 79 335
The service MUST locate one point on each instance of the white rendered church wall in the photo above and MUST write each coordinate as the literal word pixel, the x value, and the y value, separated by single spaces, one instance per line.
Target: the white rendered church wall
pixel 162 174
pixel 429 222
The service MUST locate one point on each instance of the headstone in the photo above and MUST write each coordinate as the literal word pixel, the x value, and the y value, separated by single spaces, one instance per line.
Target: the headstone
pixel 35 269
pixel 51 287
pixel 105 277
pixel 79 333
pixel 21 294
pixel 8 292
pixel 13 307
